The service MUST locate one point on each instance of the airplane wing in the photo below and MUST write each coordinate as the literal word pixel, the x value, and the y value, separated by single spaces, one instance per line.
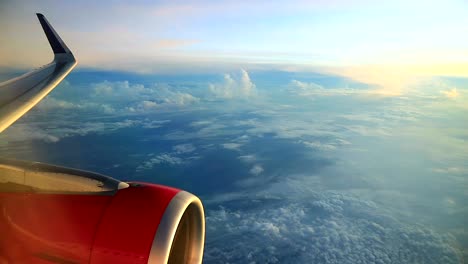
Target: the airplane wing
pixel 19 95
pixel 52 214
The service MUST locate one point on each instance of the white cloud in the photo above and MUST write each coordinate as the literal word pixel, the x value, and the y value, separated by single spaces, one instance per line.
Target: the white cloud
pixel 122 97
pixel 181 154
pixel 324 228
pixel 53 104
pixel 24 132
pixel 232 146
pixel 369 131
pixel 184 148
pixel 306 86
pixel 452 93
pixel 39 131
pixel 164 158
pixel 247 158
pixel 452 170
pixel 154 123
pixel 256 170
pixel 318 145
pixel 148 104
pixel 201 123
pixel 314 89
pixel 234 86
pixel 104 88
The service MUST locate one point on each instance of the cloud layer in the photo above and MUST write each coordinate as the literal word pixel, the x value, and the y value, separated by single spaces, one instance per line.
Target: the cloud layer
pixel 234 86
pixel 331 177
pixel 328 228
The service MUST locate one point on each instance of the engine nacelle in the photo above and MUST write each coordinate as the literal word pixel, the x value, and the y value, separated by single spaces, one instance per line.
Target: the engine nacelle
pixel 54 214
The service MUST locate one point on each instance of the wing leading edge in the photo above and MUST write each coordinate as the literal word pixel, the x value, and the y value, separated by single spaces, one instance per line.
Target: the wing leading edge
pixel 19 95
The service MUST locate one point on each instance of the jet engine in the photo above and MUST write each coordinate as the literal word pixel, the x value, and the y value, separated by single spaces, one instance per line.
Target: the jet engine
pixel 51 214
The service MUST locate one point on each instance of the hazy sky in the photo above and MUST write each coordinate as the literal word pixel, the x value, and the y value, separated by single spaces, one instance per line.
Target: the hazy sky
pixel 375 41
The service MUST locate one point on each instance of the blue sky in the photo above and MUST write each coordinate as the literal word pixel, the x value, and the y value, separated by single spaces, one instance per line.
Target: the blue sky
pixel 347 37
pixel 314 131
pixel 291 167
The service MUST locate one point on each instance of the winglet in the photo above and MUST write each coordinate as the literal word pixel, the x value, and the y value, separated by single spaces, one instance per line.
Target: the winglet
pixel 58 46
pixel 19 95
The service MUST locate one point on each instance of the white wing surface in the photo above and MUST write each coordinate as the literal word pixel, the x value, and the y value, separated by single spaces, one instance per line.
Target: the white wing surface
pixel 19 95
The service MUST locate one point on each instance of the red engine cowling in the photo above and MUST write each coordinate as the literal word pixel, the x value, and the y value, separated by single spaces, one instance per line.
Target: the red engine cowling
pixel 50 214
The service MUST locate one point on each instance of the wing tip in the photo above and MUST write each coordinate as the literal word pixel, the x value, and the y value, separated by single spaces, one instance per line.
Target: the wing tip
pixel 56 43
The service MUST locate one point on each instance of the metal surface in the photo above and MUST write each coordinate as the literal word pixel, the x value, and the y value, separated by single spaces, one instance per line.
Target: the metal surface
pixel 43 178
pixel 181 234
pixel 129 224
pixel 51 214
pixel 19 95
pixel 144 223
pixel 58 226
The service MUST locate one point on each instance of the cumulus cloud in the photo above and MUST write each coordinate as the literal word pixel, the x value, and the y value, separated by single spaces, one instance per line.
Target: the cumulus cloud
pixel 329 145
pixel 23 132
pixel 319 145
pixel 452 170
pixel 452 93
pixel 205 129
pixel 313 89
pixel 234 86
pixel 181 154
pixel 146 123
pixel 184 148
pixel 247 158
pixel 148 104
pixel 325 228
pixel 306 86
pixel 122 97
pixel 141 97
pixel 32 131
pixel 201 123
pixel 53 104
pixel 164 158
pixel 256 170
pixel 232 146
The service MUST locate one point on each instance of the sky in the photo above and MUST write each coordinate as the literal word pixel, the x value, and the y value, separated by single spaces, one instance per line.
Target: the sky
pixel 390 43
pixel 291 167
pixel 313 131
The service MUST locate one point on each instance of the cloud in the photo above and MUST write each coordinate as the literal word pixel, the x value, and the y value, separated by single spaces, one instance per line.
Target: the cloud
pixel 324 228
pixel 306 86
pixel 322 146
pixel 140 98
pixel 23 132
pixel 53 104
pixel 256 170
pixel 181 154
pixel 201 123
pixel 120 98
pixel 247 158
pixel 41 131
pixel 318 145
pixel 184 148
pixel 143 106
pixel 164 158
pixel 453 93
pixel 452 170
pixel 313 89
pixel 234 86
pixel 232 146
pixel 154 123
